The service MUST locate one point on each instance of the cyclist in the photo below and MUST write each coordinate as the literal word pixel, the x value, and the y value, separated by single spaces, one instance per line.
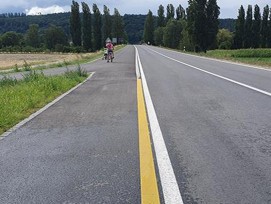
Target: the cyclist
pixel 110 48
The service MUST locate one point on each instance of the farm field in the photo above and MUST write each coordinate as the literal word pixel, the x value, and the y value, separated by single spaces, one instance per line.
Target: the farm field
pixel 9 61
pixel 43 60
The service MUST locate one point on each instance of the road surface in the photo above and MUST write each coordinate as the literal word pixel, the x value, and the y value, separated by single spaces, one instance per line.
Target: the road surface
pixel 214 118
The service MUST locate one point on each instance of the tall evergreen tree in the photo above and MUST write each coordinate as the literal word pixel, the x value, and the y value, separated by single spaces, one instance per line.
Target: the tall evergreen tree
pixel 212 23
pixel 202 23
pixel 118 26
pixel 170 12
pixel 256 27
pixel 107 24
pixel 149 28
pixel 97 27
pixel 75 24
pixel 180 13
pixel 269 31
pixel 196 19
pixel 248 28
pixel 264 27
pixel 191 18
pixel 240 29
pixel 161 16
pixel 87 29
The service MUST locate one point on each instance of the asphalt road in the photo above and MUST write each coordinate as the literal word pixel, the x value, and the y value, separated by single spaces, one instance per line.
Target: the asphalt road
pixel 218 133
pixel 84 149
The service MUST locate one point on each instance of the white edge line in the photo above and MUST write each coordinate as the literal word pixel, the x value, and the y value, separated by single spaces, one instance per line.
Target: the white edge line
pixel 169 184
pixel 139 65
pixel 137 68
pixel 23 122
pixel 216 75
pixel 224 61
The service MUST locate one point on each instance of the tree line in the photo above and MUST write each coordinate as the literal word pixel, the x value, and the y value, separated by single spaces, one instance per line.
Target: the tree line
pixel 194 28
pixel 253 30
pixel 52 39
pixel 133 24
pixel 171 28
pixel 21 24
pixel 86 31
pixel 94 28
pixel 12 15
pixel 197 27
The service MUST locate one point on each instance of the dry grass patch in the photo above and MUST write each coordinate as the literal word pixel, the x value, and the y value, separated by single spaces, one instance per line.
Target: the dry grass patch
pixel 8 61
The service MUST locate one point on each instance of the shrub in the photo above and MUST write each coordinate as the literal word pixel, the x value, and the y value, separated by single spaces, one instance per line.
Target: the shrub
pixel 26 66
pixel 8 81
pixel 16 68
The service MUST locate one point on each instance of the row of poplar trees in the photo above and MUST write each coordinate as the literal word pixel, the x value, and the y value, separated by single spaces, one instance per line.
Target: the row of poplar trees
pixel 193 29
pixel 253 30
pixel 93 29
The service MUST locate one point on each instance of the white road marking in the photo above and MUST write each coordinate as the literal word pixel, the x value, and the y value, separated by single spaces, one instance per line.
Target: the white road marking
pixel 14 128
pixel 216 75
pixel 224 61
pixel 169 184
pixel 137 61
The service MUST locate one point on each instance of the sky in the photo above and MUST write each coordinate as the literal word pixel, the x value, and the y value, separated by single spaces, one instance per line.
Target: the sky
pixel 228 8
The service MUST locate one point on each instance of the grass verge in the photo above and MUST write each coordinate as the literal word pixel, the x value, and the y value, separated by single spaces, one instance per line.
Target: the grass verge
pixel 259 57
pixel 20 98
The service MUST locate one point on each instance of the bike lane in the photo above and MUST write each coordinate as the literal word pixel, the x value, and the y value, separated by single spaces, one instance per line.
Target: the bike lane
pixel 84 148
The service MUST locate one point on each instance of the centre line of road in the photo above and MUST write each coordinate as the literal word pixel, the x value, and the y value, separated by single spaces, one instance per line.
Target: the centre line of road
pixel 149 188
pixel 216 75
pixel 168 180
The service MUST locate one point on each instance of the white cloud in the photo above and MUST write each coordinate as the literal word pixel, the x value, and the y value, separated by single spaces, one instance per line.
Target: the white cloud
pixel 48 10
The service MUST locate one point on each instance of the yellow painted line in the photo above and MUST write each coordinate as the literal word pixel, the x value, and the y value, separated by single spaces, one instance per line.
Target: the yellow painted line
pixel 148 181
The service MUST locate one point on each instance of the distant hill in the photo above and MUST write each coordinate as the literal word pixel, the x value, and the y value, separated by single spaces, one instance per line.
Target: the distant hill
pixel 134 27
pixel 21 24
pixel 134 24
pixel 227 23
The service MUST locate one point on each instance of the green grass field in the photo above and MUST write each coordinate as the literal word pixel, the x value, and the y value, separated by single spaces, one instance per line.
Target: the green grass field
pixel 260 57
pixel 19 99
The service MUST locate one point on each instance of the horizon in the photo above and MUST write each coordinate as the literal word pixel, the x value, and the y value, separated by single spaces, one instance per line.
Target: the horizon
pixel 82 12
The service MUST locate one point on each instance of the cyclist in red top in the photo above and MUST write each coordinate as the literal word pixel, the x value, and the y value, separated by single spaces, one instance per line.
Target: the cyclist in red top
pixel 110 47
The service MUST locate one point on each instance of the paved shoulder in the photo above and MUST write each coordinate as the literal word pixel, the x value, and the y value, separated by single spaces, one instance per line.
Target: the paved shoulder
pixel 217 132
